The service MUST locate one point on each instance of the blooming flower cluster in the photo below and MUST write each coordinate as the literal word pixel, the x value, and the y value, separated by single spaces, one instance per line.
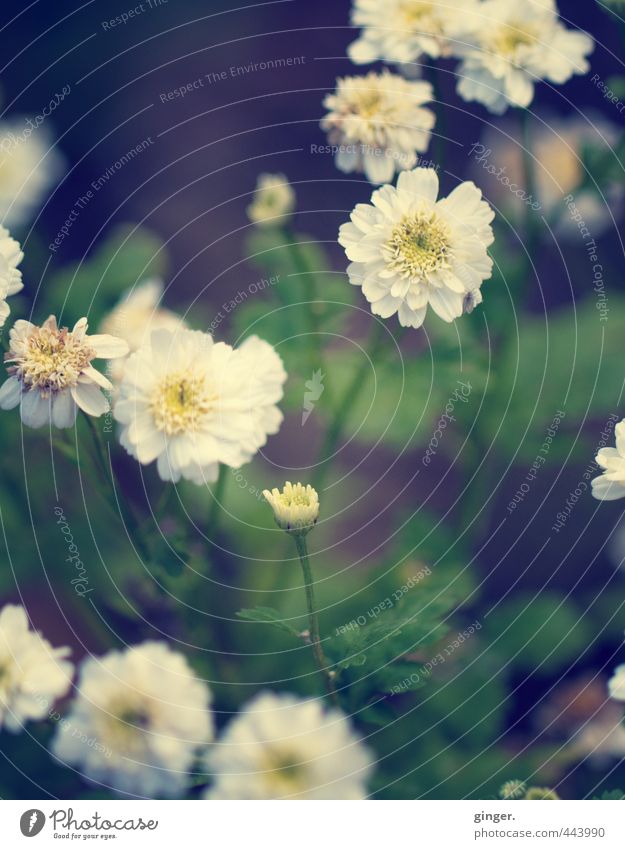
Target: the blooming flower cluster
pixel 273 201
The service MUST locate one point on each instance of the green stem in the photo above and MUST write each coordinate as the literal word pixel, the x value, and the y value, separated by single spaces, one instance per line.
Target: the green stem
pixel 218 497
pixel 348 400
pixel 313 618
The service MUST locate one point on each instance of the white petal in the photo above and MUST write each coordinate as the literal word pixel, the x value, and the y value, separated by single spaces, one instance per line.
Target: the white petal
pixel 64 410
pixel 108 347
pixel 10 393
pixel 446 304
pixel 90 399
pixel 35 410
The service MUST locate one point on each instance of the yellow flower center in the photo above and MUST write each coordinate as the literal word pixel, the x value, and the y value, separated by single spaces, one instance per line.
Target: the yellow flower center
pixel 285 771
pixel 367 103
pixel 418 246
pixel 180 403
pixel 510 37
pixel 420 16
pixel 54 360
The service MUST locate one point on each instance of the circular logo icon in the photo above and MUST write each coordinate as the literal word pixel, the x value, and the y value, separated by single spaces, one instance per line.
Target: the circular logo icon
pixel 31 822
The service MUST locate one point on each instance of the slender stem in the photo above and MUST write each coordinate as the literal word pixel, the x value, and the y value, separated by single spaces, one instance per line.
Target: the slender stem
pixel 350 396
pixel 313 618
pixel 218 497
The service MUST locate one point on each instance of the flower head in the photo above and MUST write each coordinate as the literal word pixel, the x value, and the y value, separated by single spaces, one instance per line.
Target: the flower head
pixel 610 485
pixel 295 509
pixel 409 249
pixel 32 673
pixel 10 277
pixel 510 45
pixel 281 747
pixel 541 794
pixel 29 165
pixel 148 714
pixel 379 123
pixel 513 789
pixel 273 202
pixel 616 684
pixel 136 315
pixel 401 31
pixel 191 403
pixel 51 372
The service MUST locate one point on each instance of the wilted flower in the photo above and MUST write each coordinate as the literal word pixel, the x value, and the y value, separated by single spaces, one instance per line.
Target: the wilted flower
pixel 32 673
pixel 147 712
pixel 400 31
pixel 610 485
pixel 51 372
pixel 29 165
pixel 616 684
pixel 510 45
pixel 10 277
pixel 273 201
pixel 281 747
pixel 379 123
pixel 296 508
pixel 409 249
pixel 136 315
pixel 191 403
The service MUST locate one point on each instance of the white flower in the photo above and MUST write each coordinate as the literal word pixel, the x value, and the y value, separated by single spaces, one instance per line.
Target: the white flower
pixel 273 201
pixel 148 715
pixel 296 508
pixel 559 146
pixel 29 165
pixel 616 684
pixel 409 249
pixel 379 123
pixel 282 747
pixel 191 403
pixel 51 372
pixel 512 44
pixel 136 316
pixel 32 673
pixel 10 277
pixel 610 485
pixel 401 31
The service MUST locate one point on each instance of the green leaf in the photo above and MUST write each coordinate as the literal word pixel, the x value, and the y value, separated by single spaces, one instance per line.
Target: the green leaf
pixel 268 616
pixel 610 796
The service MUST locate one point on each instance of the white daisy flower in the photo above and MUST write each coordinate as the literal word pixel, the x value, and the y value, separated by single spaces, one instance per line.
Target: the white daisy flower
pixel 135 317
pixel 401 31
pixel 616 684
pixel 511 45
pixel 610 485
pixel 296 508
pixel 29 166
pixel 51 372
pixel 282 747
pixel 191 403
pixel 10 276
pixel 149 715
pixel 379 124
pixel 32 673
pixel 409 249
pixel 273 202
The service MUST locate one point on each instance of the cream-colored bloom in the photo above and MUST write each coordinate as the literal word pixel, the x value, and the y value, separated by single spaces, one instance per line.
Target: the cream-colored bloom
pixel 32 673
pixel 29 166
pixel 379 124
pixel 10 276
pixel 558 146
pixel 191 403
pixel 296 508
pixel 401 31
pixel 273 202
pixel 135 317
pixel 510 45
pixel 513 789
pixel 616 684
pixel 51 372
pixel 149 714
pixel 610 485
pixel 409 249
pixel 281 747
